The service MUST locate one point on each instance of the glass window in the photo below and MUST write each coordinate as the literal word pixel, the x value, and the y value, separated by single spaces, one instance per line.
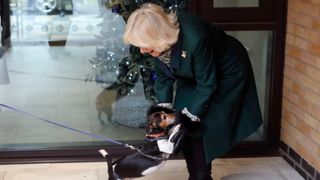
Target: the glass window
pixel 259 47
pixel 68 64
pixel 236 3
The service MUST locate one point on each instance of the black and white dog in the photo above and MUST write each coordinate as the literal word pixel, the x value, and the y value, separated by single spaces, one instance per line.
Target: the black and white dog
pixel 164 135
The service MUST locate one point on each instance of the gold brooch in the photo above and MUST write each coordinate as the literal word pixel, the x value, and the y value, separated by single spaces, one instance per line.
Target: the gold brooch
pixel 184 54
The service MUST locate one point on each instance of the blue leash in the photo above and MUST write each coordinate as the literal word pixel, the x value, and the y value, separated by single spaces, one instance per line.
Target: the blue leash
pixel 68 127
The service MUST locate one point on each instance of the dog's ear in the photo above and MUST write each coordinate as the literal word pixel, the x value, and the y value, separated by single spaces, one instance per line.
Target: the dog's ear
pixel 156 108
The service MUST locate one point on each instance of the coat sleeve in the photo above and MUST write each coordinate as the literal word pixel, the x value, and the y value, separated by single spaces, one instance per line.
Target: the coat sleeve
pixel 163 86
pixel 205 76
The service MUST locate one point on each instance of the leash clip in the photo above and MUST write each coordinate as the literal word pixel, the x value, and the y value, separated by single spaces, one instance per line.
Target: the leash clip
pixel 130 146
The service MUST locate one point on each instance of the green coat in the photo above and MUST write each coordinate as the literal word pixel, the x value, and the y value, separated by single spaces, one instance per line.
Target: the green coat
pixel 214 81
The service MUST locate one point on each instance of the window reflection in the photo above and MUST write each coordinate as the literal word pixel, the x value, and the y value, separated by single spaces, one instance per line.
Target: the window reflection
pixel 49 65
pixel 56 20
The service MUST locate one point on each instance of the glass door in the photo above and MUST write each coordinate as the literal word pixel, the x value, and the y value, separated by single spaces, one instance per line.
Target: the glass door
pixel 260 26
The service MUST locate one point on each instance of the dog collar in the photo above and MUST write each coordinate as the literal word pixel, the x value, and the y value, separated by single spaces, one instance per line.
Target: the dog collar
pixel 154 139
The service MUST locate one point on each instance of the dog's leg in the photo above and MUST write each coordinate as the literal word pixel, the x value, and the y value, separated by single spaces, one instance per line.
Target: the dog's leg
pixel 111 174
pixel 104 104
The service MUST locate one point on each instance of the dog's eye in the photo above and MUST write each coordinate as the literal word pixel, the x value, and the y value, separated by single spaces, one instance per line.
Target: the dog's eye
pixel 164 117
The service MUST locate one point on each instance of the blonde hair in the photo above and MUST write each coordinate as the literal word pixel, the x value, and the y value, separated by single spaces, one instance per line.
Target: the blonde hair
pixel 151 27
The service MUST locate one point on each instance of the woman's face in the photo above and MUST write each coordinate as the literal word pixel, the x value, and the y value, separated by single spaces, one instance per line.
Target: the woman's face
pixel 150 51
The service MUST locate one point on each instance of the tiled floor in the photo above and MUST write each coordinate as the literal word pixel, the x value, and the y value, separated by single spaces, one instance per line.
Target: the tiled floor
pixel 271 168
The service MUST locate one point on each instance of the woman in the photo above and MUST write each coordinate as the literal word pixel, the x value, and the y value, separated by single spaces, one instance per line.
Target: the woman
pixel 214 83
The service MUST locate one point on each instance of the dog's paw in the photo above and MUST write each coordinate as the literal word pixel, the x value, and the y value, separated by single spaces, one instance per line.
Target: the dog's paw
pixel 103 152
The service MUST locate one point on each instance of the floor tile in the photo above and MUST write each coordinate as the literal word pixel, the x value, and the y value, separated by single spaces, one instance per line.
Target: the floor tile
pixel 23 167
pixel 2 175
pixel 287 171
pixel 219 162
pixel 261 160
pixel 167 176
pixel 53 174
pixel 223 170
pixel 89 165
pixel 102 174
pixel 252 176
pixel 252 168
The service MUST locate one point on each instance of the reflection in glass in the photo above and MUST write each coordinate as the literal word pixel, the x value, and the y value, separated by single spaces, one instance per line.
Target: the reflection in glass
pixel 51 57
pixel 259 47
pixel 235 3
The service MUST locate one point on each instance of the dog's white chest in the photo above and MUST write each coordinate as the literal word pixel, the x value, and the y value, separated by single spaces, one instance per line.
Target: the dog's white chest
pixel 153 169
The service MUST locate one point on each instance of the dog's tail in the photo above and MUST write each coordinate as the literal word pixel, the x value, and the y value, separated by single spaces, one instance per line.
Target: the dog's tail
pixel 106 155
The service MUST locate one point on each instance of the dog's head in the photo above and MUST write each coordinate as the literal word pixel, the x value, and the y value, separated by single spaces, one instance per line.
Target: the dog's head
pixel 158 124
